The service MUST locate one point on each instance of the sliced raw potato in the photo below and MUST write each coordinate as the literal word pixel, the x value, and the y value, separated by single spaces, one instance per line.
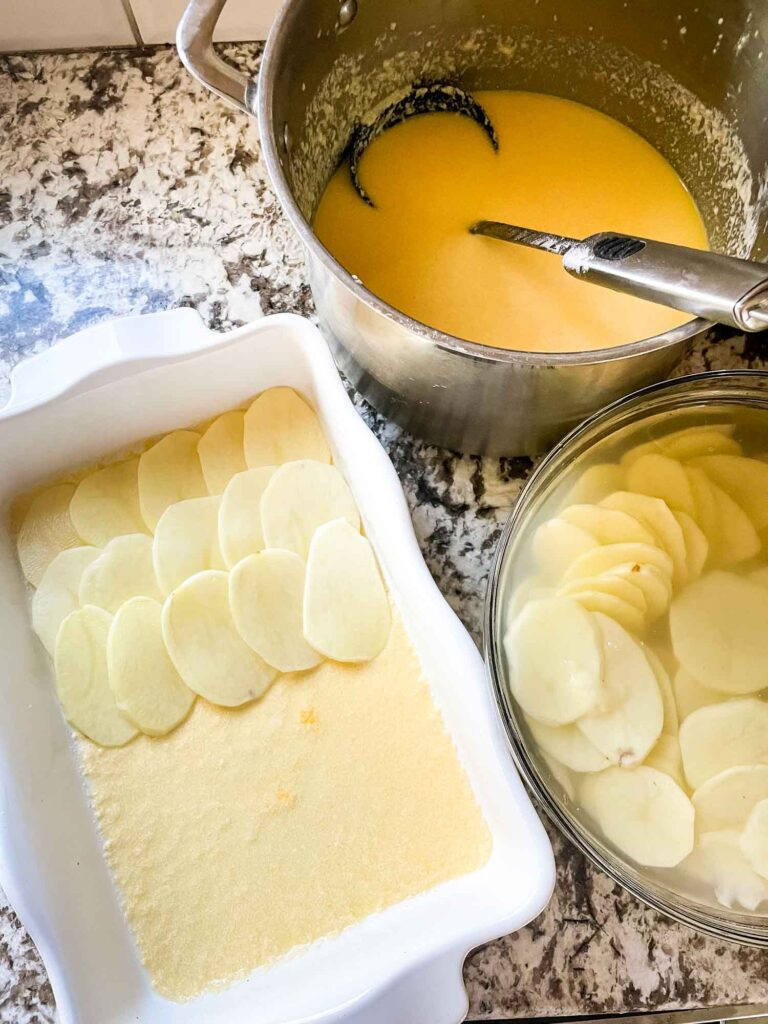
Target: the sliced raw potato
pixel 696 545
pixel 555 659
pixel 617 608
pixel 754 838
pixel 186 541
pixel 170 471
pixel 533 588
pixel 46 531
pixel 608 583
pixel 656 515
pixel 240 532
pixel 654 584
pixel 106 503
pixel 221 450
pixel 745 480
pixel 206 648
pixel 281 427
pixel 561 774
pixel 595 483
pixel 59 592
pixel 146 686
pixel 627 731
pixel 687 444
pixel 722 736
pixel 607 556
pixel 82 679
pixel 266 595
pixel 568 745
pixel 671 720
pixel 666 757
pixel 690 695
pixel 643 812
pixel 123 570
pixel 299 498
pixel 726 800
pixel 346 608
pixel 718 861
pixel 661 477
pixel 557 543
pixel 718 628
pixel 737 539
pixel 608 525
pixel 706 510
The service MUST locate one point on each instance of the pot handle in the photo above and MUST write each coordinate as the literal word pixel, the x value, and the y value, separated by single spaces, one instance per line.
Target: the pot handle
pixel 194 41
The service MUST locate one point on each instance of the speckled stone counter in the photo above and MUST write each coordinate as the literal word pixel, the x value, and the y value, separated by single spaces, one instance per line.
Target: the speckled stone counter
pixel 125 188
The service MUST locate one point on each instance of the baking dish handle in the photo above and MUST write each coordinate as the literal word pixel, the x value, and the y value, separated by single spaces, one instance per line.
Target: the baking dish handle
pixel 100 354
pixel 194 41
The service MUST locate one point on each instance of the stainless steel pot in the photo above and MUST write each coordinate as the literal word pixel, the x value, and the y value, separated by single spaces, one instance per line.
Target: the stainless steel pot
pixel 691 76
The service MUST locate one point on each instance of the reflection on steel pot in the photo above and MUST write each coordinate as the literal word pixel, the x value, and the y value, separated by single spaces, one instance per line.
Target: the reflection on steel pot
pixel 690 77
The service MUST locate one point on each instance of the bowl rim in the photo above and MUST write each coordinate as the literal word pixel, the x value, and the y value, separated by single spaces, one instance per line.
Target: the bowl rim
pixel 277 43
pixel 724 926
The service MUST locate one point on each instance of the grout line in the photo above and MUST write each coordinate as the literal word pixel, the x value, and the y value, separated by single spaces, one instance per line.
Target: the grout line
pixel 134 25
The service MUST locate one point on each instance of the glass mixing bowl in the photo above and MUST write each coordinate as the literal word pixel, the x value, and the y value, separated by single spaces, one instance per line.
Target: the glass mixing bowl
pixel 699 399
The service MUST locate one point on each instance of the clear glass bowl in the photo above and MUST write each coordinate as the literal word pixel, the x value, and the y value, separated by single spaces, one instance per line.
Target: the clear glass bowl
pixel 687 401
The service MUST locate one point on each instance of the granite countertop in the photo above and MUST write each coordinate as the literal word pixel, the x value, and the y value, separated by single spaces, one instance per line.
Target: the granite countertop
pixel 126 188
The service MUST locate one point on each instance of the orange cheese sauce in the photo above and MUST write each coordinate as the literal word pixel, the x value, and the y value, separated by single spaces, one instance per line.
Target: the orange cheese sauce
pixel 561 167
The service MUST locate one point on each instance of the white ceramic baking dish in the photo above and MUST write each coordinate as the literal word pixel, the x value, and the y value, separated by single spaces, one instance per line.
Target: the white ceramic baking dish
pixel 103 390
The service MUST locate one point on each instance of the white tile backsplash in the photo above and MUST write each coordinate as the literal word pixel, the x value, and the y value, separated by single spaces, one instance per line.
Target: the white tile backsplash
pixel 240 19
pixel 60 24
pixel 64 24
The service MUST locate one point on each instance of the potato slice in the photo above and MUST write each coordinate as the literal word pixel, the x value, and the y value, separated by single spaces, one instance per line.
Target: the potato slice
pixel 616 608
pixel 240 532
pixel 666 757
pixel 46 531
pixel 655 585
pixel 687 444
pixel 706 511
pixel 567 745
pixel 555 660
pixel 718 630
pixel 607 556
pixel 608 583
pixel 627 731
pixel 208 652
pixel 661 477
pixel 266 595
pixel 123 570
pixel 754 838
pixel 557 544
pixel 671 719
pixel 147 688
pixel 608 525
pixel 722 736
pixel 533 588
pixel 346 609
pixel 596 483
pixel 299 498
pixel 643 812
pixel 186 541
pixel 82 679
pixel 656 515
pixel 737 539
pixel 690 695
pixel 221 450
pixel 696 545
pixel 719 861
pixel 561 775
pixel 170 471
pixel 106 503
pixel 744 480
pixel 281 427
pixel 58 593
pixel 726 800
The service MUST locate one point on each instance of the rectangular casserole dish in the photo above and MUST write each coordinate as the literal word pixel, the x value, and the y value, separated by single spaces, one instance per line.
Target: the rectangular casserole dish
pixel 101 391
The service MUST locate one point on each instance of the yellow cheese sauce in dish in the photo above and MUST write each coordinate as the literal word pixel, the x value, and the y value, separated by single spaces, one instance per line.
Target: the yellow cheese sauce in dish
pixel 561 167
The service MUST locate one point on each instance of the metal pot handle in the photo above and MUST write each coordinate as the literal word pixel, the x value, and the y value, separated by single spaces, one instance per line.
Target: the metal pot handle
pixel 194 41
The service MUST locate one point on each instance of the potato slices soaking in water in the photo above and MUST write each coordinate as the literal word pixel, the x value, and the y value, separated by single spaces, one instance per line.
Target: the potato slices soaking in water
pixel 205 578
pixel 636 643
